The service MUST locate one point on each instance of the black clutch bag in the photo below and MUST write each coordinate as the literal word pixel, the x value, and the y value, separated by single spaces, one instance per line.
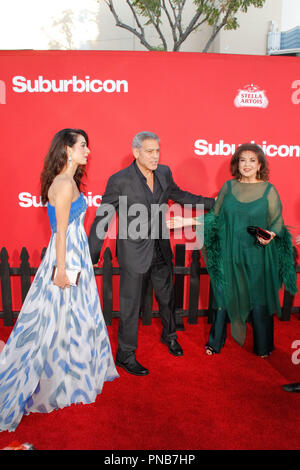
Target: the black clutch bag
pixel 258 232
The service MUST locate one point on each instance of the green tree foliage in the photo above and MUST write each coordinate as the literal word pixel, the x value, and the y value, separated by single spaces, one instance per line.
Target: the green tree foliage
pixel 216 13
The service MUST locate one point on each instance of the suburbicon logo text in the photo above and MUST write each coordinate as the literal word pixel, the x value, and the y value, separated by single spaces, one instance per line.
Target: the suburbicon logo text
pixel 76 85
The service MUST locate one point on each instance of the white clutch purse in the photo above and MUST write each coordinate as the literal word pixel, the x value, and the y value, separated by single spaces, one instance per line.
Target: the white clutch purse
pixel 73 275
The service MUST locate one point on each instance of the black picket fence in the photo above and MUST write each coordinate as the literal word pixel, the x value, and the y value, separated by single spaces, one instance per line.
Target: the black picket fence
pixel 195 271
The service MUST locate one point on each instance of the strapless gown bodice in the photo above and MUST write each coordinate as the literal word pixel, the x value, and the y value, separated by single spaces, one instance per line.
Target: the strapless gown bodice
pixel 78 207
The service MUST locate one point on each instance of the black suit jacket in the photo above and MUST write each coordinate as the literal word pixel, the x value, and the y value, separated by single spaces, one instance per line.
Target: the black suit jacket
pixel 126 195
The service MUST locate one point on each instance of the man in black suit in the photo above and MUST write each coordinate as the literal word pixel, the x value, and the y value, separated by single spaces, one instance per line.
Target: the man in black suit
pixel 143 245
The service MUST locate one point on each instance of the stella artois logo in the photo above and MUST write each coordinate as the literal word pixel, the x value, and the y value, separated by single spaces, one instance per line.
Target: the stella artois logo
pixel 251 96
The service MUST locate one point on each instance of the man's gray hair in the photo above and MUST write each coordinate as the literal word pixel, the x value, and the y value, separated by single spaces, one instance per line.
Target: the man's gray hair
pixel 141 136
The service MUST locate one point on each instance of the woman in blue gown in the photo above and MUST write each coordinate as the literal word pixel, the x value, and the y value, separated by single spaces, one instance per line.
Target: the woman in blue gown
pixel 59 351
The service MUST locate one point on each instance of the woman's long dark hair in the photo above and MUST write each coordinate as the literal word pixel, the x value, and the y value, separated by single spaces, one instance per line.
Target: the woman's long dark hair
pixel 57 158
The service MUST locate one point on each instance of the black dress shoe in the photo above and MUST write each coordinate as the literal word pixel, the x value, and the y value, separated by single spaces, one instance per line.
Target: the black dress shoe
pixel 132 366
pixel 174 346
pixel 292 387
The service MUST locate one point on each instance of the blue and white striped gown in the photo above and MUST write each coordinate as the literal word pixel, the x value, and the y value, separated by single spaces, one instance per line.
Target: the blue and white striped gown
pixel 59 351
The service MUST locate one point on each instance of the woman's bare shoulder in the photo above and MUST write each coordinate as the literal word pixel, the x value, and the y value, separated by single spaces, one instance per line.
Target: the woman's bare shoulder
pixel 61 187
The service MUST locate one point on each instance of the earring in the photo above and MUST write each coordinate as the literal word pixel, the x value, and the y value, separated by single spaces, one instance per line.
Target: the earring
pixel 70 159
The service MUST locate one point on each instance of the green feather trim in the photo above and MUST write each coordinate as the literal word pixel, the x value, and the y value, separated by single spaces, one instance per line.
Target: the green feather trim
pixel 287 272
pixel 213 248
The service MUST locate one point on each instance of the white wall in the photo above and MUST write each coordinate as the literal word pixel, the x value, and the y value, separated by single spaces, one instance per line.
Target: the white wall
pixel 48 24
pixel 251 37
pixel 290 14
pixel 88 24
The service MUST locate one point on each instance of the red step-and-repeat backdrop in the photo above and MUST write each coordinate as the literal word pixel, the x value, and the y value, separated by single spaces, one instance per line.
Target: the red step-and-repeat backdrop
pixel 201 105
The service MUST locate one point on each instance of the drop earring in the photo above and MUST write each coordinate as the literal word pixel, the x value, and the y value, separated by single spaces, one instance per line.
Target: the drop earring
pixel 70 159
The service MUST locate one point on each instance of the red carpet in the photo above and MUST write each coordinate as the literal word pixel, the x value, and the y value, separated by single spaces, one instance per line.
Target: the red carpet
pixel 229 401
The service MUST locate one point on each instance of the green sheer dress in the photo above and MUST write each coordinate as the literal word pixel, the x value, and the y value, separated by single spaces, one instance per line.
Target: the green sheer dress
pixel 246 277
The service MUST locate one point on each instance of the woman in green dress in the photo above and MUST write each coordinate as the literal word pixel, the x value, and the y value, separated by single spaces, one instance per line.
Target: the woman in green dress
pixel 246 271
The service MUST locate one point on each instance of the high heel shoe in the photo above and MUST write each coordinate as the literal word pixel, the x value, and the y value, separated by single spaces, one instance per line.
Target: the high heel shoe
pixel 209 350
